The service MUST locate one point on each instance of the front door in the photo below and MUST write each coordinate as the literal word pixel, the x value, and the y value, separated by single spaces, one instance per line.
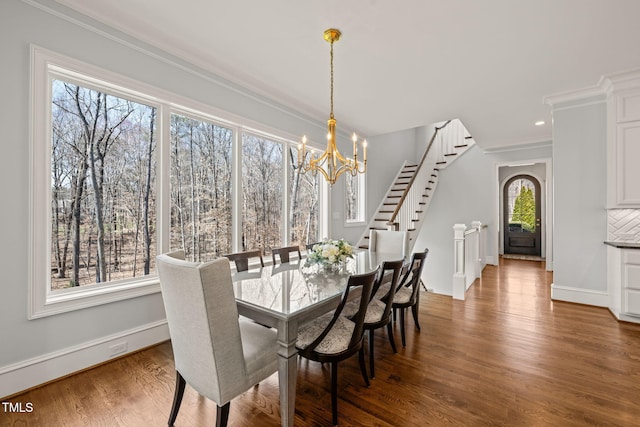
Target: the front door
pixel 521 201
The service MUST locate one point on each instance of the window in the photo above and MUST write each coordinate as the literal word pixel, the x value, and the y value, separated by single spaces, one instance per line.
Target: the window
pixel 201 164
pixel 262 189
pixel 304 209
pixel 354 199
pixel 120 172
pixel 102 186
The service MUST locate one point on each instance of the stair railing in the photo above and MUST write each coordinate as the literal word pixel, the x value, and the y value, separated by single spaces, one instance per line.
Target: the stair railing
pixel 409 203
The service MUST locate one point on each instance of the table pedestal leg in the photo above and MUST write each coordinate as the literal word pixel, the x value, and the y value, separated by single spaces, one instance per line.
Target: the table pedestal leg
pixel 287 371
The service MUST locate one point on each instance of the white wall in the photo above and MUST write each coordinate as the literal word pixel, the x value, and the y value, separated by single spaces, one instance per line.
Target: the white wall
pixel 467 191
pixel 579 156
pixel 38 350
pixel 385 156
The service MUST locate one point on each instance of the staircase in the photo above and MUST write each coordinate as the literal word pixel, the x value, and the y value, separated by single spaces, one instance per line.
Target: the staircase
pixel 405 204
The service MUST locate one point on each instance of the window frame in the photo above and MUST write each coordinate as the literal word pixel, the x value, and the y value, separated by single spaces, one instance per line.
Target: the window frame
pixel 46 66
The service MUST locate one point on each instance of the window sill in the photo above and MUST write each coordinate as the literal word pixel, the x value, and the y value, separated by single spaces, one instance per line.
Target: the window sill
pixel 67 300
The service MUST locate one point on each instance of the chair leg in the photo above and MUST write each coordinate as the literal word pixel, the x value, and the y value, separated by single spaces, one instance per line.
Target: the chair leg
pixel 363 368
pixel 414 311
pixel 392 340
pixel 177 398
pixel 404 344
pixel 373 375
pixel 222 415
pixel 334 392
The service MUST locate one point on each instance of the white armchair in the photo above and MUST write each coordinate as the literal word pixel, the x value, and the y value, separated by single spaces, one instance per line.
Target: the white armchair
pixel 218 353
pixel 389 242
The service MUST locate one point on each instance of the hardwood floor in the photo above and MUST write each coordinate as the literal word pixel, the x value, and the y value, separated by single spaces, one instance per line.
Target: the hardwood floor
pixel 507 356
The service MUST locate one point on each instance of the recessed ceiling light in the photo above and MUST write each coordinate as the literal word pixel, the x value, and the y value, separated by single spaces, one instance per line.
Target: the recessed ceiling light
pixel 539 123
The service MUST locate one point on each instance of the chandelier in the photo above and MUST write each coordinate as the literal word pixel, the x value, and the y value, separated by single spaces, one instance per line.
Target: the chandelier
pixel 331 164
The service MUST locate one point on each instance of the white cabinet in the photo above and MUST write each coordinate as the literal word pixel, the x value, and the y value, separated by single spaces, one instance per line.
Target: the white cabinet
pixel 628 164
pixel 624 149
pixel 624 283
pixel 631 282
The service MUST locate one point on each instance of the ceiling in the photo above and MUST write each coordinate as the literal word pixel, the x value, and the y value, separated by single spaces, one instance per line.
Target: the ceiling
pixel 399 64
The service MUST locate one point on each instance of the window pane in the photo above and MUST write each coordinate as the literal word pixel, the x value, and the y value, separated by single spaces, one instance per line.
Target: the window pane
pixel 262 193
pixel 352 198
pixel 200 188
pixel 304 216
pixel 103 170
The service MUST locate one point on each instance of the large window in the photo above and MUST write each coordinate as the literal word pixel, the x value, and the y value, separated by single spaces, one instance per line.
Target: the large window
pixel 120 172
pixel 200 188
pixel 304 208
pixel 262 185
pixel 102 186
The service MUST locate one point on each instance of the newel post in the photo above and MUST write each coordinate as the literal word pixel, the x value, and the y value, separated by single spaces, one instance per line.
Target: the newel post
pixel 459 267
pixel 479 254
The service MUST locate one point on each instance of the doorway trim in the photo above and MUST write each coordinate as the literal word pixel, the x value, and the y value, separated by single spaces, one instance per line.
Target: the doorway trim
pixel 546 186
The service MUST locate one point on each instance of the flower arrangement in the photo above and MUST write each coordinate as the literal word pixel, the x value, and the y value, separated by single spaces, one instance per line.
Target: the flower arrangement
pixel 331 252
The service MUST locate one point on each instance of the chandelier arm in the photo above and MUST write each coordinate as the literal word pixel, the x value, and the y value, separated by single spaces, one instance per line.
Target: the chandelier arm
pixel 326 176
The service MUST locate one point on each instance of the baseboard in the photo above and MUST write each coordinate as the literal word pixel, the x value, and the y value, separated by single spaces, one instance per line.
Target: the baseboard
pixel 30 373
pixel 490 260
pixel 579 296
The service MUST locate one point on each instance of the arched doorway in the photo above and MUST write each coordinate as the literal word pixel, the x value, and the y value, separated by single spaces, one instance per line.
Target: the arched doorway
pixel 522 218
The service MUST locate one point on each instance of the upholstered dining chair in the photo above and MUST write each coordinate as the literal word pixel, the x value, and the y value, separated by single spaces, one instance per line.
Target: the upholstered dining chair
pixel 241 259
pixel 216 352
pixel 379 309
pixel 283 253
pixel 388 241
pixel 333 337
pixel 407 293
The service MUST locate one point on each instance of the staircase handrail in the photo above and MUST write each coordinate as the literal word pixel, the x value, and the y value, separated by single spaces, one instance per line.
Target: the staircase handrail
pixel 392 220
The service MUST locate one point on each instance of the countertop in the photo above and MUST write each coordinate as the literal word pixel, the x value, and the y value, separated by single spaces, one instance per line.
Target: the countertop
pixel 623 245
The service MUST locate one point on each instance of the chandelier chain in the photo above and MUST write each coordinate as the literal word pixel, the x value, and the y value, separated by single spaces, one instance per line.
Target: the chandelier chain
pixel 331 55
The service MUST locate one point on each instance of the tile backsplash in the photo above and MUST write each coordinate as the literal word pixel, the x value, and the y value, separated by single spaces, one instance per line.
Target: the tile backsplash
pixel 623 225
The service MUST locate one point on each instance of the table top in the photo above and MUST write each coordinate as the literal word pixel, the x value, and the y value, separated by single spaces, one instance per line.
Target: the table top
pixel 291 289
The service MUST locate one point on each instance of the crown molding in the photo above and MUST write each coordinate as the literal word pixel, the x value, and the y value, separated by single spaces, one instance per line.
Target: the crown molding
pixel 607 85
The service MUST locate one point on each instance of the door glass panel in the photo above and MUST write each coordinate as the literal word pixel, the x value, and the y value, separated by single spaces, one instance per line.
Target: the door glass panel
pixel 522 206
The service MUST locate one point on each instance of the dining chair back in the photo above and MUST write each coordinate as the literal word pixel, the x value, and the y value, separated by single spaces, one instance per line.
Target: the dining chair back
pixel 309 246
pixel 387 241
pixel 283 253
pixel 407 294
pixel 216 352
pixel 379 310
pixel 241 259
pixel 333 337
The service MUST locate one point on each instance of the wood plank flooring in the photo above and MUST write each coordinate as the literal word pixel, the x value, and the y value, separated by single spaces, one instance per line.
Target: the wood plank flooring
pixel 507 356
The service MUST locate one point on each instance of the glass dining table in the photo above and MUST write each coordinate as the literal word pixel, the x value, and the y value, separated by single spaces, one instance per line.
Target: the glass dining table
pixel 288 295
